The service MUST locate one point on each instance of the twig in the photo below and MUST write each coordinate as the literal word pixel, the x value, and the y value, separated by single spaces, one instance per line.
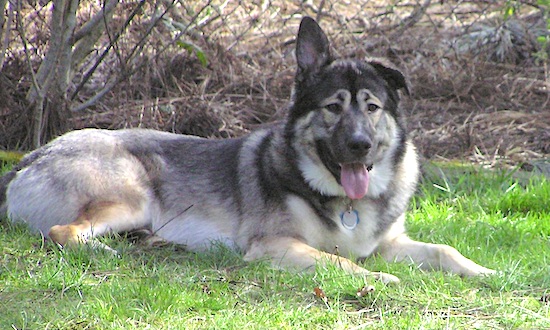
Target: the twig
pixel 25 43
pixel 112 42
pixel 108 87
pixel 413 18
pixel 86 37
pixel 98 18
pixel 91 101
pixel 320 11
pixel 173 218
pixel 141 43
pixel 5 32
pixel 37 104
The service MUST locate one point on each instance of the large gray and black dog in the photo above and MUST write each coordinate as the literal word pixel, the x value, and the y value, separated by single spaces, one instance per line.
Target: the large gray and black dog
pixel 337 172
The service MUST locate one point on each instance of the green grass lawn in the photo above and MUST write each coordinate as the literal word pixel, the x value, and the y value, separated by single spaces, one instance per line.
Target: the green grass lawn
pixel 500 220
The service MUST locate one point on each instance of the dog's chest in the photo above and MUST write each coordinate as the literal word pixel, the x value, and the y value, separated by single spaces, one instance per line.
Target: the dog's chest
pixel 355 235
pixel 358 231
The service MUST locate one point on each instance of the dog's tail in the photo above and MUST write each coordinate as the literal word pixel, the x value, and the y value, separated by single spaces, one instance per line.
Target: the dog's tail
pixel 4 182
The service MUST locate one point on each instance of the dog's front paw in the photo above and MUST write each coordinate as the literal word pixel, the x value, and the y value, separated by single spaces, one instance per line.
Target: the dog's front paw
pixel 384 277
pixel 480 271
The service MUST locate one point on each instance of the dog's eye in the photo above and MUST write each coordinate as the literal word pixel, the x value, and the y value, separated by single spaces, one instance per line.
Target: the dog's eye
pixel 372 107
pixel 334 108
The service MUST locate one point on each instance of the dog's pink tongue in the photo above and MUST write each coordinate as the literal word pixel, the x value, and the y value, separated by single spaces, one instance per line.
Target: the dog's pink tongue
pixel 355 180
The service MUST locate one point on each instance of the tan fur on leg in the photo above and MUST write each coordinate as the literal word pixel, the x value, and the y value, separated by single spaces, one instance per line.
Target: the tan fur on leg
pixel 291 252
pixel 96 219
pixel 431 256
pixel 71 233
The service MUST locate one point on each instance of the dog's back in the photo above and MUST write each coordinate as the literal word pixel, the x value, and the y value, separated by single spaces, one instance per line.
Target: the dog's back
pixel 135 172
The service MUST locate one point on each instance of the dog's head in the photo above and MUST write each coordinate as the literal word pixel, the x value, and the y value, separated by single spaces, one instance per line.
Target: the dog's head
pixel 345 113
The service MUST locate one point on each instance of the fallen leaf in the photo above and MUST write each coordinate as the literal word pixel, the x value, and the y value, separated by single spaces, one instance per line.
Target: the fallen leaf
pixel 320 294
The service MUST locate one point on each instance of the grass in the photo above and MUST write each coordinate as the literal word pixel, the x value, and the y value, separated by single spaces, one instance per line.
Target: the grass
pixel 498 219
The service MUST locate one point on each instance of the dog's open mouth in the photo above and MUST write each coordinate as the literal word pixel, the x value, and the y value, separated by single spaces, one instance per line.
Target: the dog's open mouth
pixel 354 177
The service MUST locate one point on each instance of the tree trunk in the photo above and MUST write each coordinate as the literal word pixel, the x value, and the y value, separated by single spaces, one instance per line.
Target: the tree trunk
pixel 4 30
pixel 49 92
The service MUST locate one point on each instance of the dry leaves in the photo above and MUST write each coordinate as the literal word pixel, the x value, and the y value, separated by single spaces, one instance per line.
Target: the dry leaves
pixel 320 294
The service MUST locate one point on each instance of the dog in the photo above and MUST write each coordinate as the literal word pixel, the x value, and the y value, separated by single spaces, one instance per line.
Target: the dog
pixel 329 183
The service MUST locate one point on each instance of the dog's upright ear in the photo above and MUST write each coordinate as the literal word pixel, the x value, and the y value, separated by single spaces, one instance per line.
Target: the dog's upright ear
pixel 392 75
pixel 312 49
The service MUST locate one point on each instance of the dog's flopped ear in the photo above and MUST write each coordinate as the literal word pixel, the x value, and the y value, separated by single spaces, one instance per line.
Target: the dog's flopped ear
pixel 312 48
pixel 392 75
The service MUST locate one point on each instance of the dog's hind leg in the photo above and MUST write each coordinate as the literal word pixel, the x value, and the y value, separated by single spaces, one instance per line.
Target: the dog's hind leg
pixel 99 218
pixel 287 252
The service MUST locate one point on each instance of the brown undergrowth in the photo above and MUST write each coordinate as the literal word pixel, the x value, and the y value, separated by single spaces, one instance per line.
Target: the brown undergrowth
pixel 480 92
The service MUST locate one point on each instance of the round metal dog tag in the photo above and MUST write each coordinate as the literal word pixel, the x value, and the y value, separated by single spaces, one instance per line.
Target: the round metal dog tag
pixel 350 219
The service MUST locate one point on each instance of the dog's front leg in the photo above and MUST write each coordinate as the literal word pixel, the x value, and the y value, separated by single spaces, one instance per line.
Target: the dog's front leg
pixel 430 256
pixel 287 252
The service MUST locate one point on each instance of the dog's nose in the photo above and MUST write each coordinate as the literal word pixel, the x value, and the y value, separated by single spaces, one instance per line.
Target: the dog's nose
pixel 359 144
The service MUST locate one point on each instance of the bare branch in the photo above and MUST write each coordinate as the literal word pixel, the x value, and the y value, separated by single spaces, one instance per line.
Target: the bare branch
pixel 25 43
pixel 63 67
pixel 413 18
pixel 44 75
pixel 111 84
pixel 97 22
pixel 3 4
pixel 94 99
pixel 38 101
pixel 320 11
pixel 154 21
pixel 112 43
pixel 5 30
pixel 55 68
pixel 86 37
